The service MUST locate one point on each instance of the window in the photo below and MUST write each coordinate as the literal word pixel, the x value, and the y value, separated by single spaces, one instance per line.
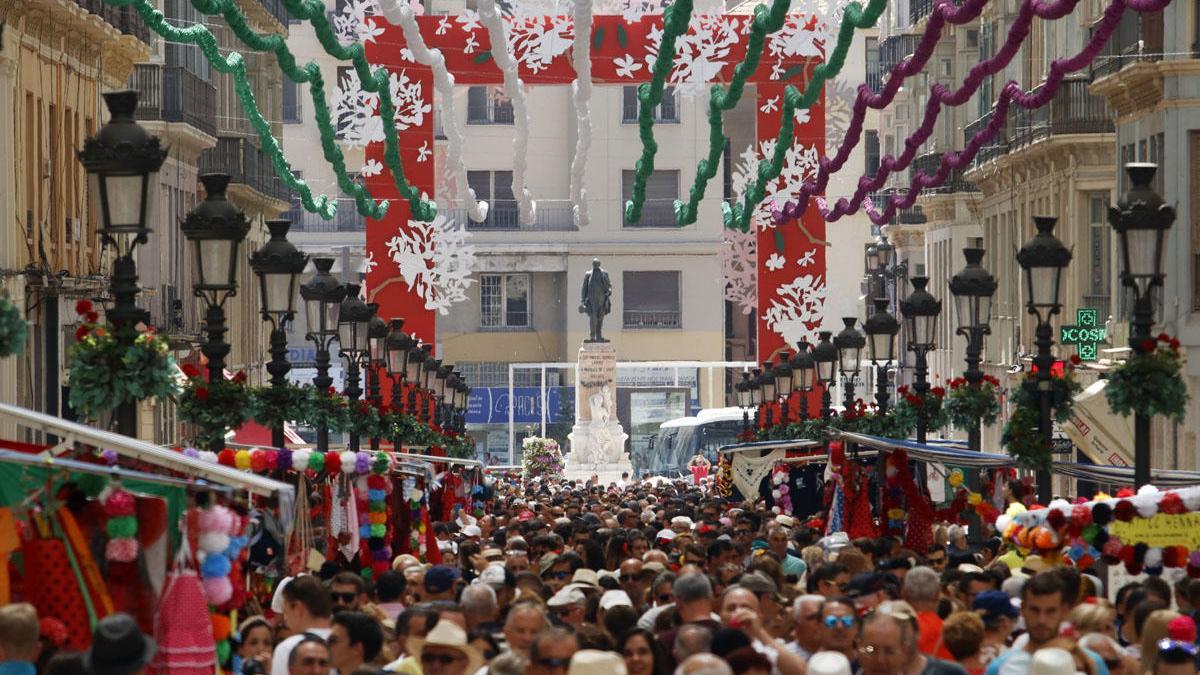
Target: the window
pixel 292 102
pixel 1097 295
pixel 494 187
pixel 874 67
pixel 871 145
pixel 488 105
pixel 662 189
pixel 651 300
pixel 495 374
pixel 1194 213
pixel 666 111
pixel 504 300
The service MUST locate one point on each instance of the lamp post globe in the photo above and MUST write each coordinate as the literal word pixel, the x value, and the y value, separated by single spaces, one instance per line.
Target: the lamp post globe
pixel 354 320
pixel 322 295
pixel 804 370
pixel 973 288
pixel 849 343
pixel 825 356
pixel 783 375
pixel 881 329
pixel 1043 258
pixel 745 399
pixel 921 310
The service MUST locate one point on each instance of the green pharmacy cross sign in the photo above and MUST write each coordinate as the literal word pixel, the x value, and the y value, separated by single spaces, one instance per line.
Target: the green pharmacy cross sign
pixel 1085 334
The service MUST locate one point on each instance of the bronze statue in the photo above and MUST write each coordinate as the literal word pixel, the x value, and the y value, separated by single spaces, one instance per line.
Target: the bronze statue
pixel 596 299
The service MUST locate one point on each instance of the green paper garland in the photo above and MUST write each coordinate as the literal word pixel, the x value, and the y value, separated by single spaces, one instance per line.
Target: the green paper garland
pixel 650 94
pixel 855 17
pixel 725 98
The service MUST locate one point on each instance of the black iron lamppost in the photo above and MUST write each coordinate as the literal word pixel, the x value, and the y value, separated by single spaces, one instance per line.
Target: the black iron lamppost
pixel 881 328
pixel 398 344
pixel 825 356
pixel 374 361
pixel 804 371
pixel 428 379
pixel 756 396
pixel 1141 220
pixel 122 161
pixel 766 393
pixel 354 319
pixel 322 295
pixel 973 288
pixel 440 380
pixel 416 363
pixel 216 229
pixel 464 402
pixel 277 264
pixel 921 310
pixel 1044 258
pixel 744 400
pixel 849 343
pixel 783 376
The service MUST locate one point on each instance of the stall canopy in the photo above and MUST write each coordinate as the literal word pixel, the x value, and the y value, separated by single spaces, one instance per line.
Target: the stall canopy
pixel 70 433
pixel 794 444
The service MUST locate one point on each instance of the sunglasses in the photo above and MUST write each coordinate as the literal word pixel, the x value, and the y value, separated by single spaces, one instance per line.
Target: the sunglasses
pixel 346 598
pixel 440 659
pixel 559 575
pixel 1169 647
pixel 832 621
pixel 666 598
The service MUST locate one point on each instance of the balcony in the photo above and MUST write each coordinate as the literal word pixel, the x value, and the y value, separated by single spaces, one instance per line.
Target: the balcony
pixel 175 94
pixel 1139 38
pixel 124 19
pixel 655 213
pixel 910 216
pixel 248 165
pixel 894 49
pixel 1073 110
pixel 347 218
pixel 553 215
pixel 929 164
pixel 639 319
pixel 276 9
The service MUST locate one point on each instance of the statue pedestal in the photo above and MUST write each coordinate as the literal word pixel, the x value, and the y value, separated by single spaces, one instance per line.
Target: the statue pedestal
pixel 597 440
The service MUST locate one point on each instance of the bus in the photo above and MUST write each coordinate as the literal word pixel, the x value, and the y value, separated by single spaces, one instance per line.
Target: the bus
pixel 680 439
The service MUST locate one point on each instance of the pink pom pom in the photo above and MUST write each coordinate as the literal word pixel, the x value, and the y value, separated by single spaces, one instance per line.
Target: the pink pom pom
pixel 218 519
pixel 119 503
pixel 121 550
pixel 218 590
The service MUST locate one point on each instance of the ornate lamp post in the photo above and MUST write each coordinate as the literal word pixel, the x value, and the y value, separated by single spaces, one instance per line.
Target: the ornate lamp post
pixel 322 295
pixel 973 288
pixel 354 319
pixel 744 400
pixel 440 379
pixel 216 229
pixel 428 378
pixel 881 328
pixel 122 161
pixel 921 310
pixel 766 393
pixel 825 356
pixel 783 375
pixel 416 363
pixel 849 343
pixel 804 370
pixel 398 345
pixel 374 361
pixel 1141 220
pixel 1044 258
pixel 277 264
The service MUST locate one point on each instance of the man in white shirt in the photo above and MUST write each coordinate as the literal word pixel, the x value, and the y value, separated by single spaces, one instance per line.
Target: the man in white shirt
pixel 306 607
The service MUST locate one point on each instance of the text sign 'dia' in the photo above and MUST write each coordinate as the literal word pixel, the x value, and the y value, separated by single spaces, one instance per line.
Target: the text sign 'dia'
pixel 1085 334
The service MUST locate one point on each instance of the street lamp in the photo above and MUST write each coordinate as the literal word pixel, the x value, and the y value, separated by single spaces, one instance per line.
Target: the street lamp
pixel 804 370
pixel 1044 258
pixel 849 343
pixel 881 328
pixel 122 162
pixel 374 361
pixel 921 310
pixel 416 361
pixel 322 295
pixel 767 392
pixel 825 356
pixel 1141 220
pixel 216 229
pixel 397 345
pixel 973 288
pixel 745 399
pixel 277 264
pixel 354 320
pixel 783 375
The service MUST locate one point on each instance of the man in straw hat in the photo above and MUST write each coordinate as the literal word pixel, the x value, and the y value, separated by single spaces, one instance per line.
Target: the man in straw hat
pixel 445 651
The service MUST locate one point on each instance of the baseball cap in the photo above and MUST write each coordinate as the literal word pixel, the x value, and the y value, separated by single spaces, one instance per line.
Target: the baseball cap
pixel 993 604
pixel 612 599
pixel 472 531
pixel 665 535
pixel 567 596
pixel 492 575
pixel 440 578
pixel 546 562
pixel 866 583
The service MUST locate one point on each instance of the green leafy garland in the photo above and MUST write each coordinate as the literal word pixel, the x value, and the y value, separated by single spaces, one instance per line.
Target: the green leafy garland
pixel 1149 383
pixel 405 429
pixel 967 404
pixel 273 406
pixel 911 407
pixel 213 408
pixel 459 446
pixel 1021 436
pixel 110 368
pixel 13 331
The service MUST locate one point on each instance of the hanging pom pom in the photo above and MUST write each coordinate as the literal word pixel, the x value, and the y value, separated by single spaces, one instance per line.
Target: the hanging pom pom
pixel 316 462
pixel 218 590
pixel 362 463
pixel 213 542
pixel 122 527
pixel 209 456
pixel 259 462
pixel 242 460
pixel 300 459
pixel 227 457
pixel 121 550
pixel 215 565
pixel 1102 514
pixel 119 503
pixel 348 461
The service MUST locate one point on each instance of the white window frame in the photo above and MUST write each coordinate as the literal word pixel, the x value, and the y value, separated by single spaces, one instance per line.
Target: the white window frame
pixel 503 300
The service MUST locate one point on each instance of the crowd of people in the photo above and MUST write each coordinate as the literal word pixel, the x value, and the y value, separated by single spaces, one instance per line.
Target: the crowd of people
pixel 659 580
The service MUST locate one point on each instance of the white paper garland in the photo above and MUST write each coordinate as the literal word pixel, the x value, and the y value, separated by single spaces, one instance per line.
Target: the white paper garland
pixel 400 13
pixel 514 89
pixel 581 89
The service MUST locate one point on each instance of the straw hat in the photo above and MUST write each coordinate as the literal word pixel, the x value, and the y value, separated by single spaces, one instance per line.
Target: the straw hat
pixel 828 663
pixel 1052 661
pixel 451 636
pixel 596 662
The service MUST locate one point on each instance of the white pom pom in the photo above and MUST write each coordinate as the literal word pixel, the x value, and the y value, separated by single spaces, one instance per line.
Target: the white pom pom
pixel 208 456
pixel 300 459
pixel 348 461
pixel 776 494
pixel 1002 522
pixel 1191 498
pixel 1153 557
pixel 1147 490
pixel 213 542
pixel 1060 504
pixel 1146 506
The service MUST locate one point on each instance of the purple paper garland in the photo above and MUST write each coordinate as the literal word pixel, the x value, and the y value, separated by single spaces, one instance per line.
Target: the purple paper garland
pixel 947 12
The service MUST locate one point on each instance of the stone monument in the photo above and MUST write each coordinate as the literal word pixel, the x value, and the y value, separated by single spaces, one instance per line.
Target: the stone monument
pixel 597 439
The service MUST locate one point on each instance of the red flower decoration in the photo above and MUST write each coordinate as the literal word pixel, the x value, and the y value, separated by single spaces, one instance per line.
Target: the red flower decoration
pixel 1171 504
pixel 1163 337
pixel 1124 511
pixel 376 482
pixel 1148 345
pixel 259 462
pixel 100 332
pixel 938 392
pixel 202 393
pixel 227 457
pixel 81 333
pixel 1075 360
pixel 902 389
pixel 1124 492
pixel 91 317
pixel 1056 519
pixel 1174 343
pixel 52 629
pixel 239 377
pixel 190 370
pixel 83 306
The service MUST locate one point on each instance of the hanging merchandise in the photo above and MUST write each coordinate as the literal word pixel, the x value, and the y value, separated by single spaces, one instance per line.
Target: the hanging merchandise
pixel 183 629
pixel 122 525
pixel 219 545
pixel 53 584
pixel 781 489
pixel 724 484
pixel 748 472
pixel 13 331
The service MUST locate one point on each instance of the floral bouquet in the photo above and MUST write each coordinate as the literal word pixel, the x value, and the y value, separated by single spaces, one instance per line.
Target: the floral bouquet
pixel 1148 383
pixel 540 457
pixel 214 407
pixel 967 404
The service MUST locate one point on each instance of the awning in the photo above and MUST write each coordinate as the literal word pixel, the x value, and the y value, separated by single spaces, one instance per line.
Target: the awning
pixel 946 453
pixel 253 434
pixel 1104 436
pixel 794 444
